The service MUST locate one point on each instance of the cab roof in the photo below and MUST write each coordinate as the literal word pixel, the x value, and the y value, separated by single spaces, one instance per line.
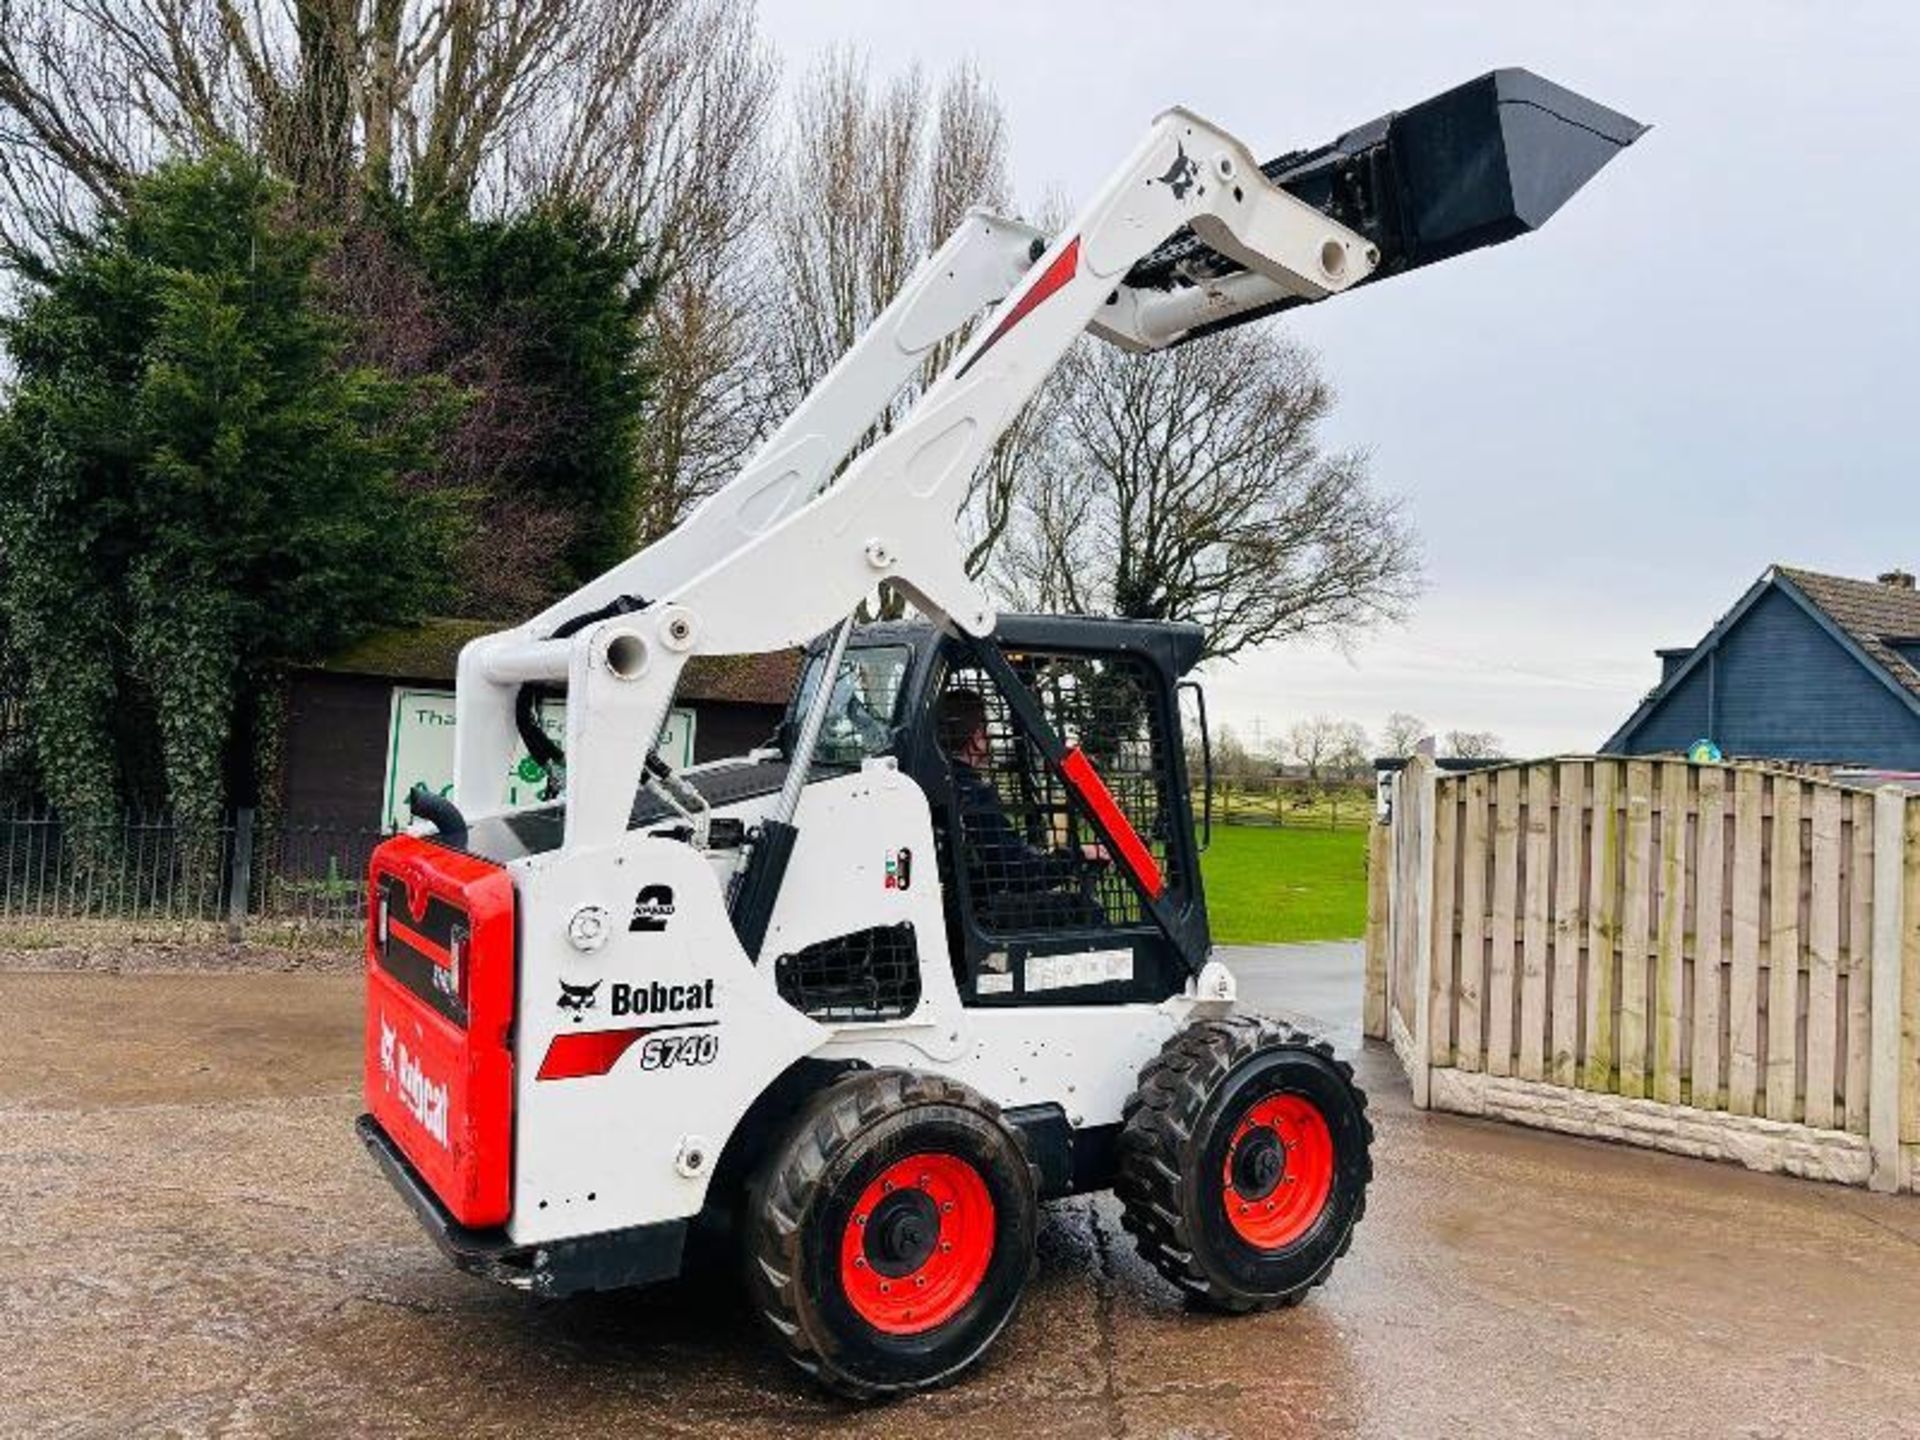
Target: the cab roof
pixel 1175 646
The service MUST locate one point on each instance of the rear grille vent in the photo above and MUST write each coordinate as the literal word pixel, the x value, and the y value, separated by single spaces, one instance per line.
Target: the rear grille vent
pixel 868 975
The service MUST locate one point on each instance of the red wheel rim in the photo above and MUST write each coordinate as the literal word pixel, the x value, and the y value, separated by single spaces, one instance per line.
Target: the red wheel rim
pixel 1278 1172
pixel 917 1244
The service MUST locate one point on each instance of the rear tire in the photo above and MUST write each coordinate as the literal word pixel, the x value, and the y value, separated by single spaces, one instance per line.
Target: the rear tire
pixel 1244 1162
pixel 890 1236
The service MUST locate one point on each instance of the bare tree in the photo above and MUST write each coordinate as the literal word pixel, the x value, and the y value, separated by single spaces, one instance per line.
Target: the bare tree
pixel 1350 752
pixel 1402 734
pixel 651 113
pixel 440 100
pixel 1232 760
pixel 1191 485
pixel 707 407
pixel 1472 745
pixel 876 175
pixel 1323 745
pixel 670 143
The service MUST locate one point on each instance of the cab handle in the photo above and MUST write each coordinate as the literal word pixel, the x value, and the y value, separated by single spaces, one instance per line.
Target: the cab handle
pixel 1206 764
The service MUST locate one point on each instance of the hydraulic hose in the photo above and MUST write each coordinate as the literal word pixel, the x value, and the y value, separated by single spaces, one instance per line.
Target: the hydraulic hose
pixel 542 747
pixel 441 812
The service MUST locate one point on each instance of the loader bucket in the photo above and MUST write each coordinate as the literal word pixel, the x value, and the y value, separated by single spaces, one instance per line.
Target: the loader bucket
pixel 1484 162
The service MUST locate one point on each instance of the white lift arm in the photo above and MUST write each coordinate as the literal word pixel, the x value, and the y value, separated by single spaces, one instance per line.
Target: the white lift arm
pixel 768 579
pixel 977 265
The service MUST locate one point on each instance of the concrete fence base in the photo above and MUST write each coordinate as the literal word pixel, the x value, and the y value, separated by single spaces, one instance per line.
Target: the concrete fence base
pixel 1772 1146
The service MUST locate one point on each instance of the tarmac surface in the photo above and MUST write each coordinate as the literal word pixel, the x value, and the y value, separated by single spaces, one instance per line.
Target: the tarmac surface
pixel 192 1242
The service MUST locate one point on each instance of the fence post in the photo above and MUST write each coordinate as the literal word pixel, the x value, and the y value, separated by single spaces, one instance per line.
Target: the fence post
pixel 1889 875
pixel 1373 1016
pixel 1425 777
pixel 240 873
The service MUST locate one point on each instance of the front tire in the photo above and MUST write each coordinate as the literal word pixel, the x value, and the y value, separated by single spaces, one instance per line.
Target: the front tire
pixel 890 1236
pixel 1244 1162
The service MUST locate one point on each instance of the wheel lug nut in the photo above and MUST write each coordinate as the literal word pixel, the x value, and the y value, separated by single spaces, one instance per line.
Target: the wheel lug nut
pixel 859 1262
pixel 920 1280
pixel 946 1207
pixel 885 1287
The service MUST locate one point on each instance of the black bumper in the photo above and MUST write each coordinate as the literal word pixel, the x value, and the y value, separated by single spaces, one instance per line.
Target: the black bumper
pixel 612 1260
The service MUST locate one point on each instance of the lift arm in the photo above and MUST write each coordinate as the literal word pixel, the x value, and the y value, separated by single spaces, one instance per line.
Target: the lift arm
pixel 890 516
pixel 1189 235
pixel 978 264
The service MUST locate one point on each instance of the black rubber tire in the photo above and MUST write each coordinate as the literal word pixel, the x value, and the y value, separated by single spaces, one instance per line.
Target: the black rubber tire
pixel 1178 1125
pixel 798 1203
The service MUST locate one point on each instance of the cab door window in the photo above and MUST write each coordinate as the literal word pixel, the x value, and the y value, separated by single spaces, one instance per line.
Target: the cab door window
pixel 1027 852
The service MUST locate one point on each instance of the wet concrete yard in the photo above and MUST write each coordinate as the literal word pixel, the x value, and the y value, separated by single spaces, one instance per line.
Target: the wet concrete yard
pixel 192 1242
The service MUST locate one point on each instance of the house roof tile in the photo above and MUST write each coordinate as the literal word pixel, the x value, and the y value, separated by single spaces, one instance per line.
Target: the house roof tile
pixel 1875 616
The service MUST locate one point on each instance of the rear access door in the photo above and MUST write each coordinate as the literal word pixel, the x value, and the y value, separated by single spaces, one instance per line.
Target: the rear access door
pixel 440 996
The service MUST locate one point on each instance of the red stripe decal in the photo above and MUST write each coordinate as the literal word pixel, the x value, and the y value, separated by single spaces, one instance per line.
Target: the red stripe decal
pixel 414 940
pixel 1064 267
pixel 1091 788
pixel 581 1053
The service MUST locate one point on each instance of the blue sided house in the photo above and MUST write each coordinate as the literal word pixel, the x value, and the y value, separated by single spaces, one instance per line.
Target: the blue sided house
pixel 1804 667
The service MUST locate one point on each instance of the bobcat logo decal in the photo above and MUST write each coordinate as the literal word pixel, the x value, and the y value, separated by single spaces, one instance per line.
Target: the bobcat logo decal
pixel 577 998
pixel 1182 175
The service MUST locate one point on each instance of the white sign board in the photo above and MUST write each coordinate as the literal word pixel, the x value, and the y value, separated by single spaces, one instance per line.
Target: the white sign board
pixel 420 749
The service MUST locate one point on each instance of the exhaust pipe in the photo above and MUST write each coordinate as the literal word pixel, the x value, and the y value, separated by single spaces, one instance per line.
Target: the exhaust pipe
pixel 1485 162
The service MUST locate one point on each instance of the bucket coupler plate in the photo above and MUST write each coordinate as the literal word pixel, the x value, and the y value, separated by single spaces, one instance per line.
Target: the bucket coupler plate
pixel 1475 166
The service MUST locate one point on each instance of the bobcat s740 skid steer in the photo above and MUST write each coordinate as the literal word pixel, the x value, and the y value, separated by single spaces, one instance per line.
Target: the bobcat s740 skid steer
pixel 859 1002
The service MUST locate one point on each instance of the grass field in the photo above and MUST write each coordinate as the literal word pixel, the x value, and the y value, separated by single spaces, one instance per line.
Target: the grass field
pixel 1267 886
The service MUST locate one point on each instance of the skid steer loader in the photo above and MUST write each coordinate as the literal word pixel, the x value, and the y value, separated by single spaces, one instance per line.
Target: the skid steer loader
pixel 863 999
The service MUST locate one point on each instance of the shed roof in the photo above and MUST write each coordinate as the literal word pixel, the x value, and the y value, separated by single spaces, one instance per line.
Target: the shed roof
pixel 428 652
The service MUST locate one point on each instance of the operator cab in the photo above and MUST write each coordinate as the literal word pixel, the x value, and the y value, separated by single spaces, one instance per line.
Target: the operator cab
pixel 1037 912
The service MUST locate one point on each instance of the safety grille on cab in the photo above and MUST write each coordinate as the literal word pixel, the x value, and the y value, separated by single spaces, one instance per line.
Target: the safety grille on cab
pixel 869 975
pixel 1021 830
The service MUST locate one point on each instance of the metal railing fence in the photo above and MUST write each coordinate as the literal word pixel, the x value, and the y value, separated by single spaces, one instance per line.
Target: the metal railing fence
pixel 151 870
pixel 244 875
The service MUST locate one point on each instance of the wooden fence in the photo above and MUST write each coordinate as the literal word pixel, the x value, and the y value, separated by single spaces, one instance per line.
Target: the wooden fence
pixel 1287 803
pixel 1716 960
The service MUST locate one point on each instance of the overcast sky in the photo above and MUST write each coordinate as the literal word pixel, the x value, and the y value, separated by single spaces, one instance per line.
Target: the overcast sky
pixel 1606 430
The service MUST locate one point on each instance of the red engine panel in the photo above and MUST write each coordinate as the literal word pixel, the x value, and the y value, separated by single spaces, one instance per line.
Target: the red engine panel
pixel 439 1067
